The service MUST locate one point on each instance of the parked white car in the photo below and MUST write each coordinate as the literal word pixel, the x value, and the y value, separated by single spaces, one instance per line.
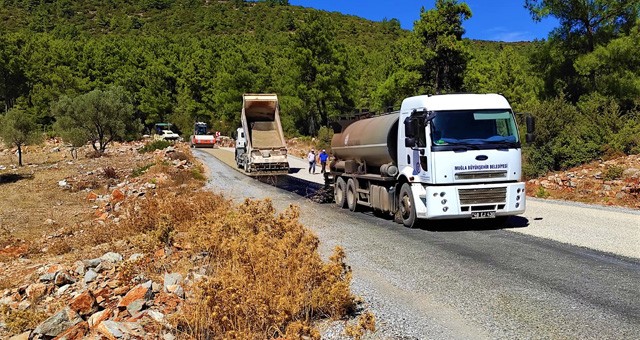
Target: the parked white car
pixel 169 135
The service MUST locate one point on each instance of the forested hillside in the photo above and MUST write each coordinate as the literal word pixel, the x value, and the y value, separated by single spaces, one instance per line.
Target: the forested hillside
pixel 187 60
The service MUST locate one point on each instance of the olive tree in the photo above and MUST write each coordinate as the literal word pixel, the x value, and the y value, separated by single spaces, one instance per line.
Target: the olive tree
pixel 100 116
pixel 19 128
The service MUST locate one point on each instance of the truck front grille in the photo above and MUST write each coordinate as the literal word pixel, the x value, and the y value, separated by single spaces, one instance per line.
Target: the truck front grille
pixel 482 196
pixel 481 174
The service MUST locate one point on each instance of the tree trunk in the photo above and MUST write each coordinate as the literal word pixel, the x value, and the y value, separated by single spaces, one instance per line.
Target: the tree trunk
pixel 19 154
pixel 325 114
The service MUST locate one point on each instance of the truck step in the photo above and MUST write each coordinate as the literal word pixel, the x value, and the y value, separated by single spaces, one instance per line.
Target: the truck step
pixel 365 203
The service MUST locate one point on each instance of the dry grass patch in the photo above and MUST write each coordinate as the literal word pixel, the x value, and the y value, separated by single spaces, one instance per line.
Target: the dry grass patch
pixel 264 276
pixel 267 279
pixel 17 321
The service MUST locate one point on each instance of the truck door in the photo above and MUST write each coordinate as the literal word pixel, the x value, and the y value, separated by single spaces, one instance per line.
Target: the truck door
pixel 416 139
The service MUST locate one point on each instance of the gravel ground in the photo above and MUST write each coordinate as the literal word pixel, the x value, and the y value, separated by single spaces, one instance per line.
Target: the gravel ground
pixel 608 229
pixel 465 281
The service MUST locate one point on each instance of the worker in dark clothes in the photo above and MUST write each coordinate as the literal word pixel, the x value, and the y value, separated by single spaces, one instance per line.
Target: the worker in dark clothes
pixel 323 160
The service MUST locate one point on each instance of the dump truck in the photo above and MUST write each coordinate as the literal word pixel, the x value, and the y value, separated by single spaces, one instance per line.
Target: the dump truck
pixel 440 157
pixel 201 136
pixel 262 149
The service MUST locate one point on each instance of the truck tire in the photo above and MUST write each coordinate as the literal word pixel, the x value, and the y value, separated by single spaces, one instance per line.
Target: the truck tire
pixel 340 193
pixel 352 195
pixel 407 206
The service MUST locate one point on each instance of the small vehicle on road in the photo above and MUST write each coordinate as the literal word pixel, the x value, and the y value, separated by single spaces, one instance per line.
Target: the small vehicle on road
pixel 162 131
pixel 168 135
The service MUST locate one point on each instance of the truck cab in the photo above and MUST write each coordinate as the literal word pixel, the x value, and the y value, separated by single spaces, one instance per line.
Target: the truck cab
pixel 241 147
pixel 461 156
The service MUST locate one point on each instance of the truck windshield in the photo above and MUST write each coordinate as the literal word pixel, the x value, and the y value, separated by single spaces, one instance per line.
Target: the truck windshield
pixel 474 127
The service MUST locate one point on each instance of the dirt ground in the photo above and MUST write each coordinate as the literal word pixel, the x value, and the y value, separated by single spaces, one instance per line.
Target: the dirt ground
pixel 53 196
pixel 50 190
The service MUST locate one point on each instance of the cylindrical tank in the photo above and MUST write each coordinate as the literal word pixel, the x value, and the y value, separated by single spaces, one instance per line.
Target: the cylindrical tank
pixel 372 140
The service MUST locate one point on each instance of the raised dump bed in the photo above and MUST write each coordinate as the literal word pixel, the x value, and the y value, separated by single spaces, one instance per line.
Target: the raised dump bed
pixel 261 150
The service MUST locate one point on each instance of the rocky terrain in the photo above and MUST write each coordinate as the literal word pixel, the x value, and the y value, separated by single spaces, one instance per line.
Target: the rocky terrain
pixel 614 182
pixel 50 285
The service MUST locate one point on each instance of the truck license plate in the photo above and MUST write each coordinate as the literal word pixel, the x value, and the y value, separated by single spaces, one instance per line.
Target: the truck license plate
pixel 483 214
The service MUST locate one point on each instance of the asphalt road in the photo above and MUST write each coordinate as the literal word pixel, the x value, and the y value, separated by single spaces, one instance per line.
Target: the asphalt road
pixel 466 280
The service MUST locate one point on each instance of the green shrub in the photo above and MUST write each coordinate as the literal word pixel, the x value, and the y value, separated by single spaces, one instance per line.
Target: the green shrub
pixel 613 172
pixel 197 175
pixel 568 135
pixel 627 139
pixel 139 171
pixel 324 138
pixel 542 193
pixel 155 145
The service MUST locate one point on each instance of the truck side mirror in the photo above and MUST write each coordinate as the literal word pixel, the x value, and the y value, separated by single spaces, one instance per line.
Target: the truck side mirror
pixel 531 126
pixel 410 127
pixel 410 142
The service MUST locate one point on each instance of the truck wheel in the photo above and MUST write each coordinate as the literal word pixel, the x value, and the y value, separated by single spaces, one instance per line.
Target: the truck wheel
pixel 352 195
pixel 407 206
pixel 339 192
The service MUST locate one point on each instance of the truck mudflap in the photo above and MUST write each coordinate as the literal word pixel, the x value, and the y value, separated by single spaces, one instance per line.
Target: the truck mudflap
pixel 469 201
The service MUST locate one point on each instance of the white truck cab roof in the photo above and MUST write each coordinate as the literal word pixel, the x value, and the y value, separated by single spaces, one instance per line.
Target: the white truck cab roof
pixel 446 102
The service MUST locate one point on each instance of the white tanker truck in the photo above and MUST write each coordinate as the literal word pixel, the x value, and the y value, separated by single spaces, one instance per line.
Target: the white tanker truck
pixel 439 157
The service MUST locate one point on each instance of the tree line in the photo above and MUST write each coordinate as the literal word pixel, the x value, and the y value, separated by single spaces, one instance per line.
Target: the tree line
pixel 186 60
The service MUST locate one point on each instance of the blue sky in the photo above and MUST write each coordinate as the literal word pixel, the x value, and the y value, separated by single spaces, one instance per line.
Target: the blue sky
pixel 497 20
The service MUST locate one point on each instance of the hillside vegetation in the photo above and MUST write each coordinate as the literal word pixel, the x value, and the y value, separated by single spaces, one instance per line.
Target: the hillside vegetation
pixel 187 60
